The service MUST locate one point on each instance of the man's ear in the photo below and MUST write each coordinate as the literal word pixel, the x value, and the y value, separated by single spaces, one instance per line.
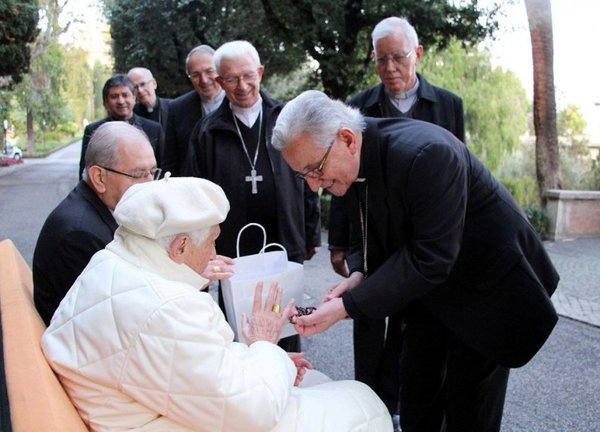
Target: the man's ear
pixel 418 54
pixel 97 178
pixel 348 137
pixel 177 248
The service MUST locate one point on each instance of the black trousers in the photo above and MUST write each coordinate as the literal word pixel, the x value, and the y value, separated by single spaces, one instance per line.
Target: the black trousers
pixel 446 385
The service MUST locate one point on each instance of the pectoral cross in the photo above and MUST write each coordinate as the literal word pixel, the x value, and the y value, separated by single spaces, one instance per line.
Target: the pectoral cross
pixel 254 178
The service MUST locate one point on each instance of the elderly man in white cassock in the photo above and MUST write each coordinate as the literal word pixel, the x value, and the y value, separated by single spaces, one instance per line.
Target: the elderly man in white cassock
pixel 137 345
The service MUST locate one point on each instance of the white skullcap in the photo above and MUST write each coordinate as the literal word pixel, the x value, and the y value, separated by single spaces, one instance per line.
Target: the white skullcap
pixel 173 205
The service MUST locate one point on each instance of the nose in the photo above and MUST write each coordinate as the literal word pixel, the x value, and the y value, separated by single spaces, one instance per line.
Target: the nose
pixel 313 183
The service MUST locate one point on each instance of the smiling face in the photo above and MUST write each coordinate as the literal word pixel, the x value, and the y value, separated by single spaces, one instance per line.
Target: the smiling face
pixel 144 85
pixel 240 78
pixel 202 73
pixel 341 165
pixel 398 76
pixel 119 103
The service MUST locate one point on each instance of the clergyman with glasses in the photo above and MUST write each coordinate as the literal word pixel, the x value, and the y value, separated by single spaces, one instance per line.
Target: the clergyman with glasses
pixel 402 93
pixel 191 107
pixel 119 99
pixel 232 148
pixel 148 104
pixel 117 156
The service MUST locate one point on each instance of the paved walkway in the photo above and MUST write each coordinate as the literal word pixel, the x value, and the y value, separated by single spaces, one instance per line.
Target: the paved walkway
pixel 578 293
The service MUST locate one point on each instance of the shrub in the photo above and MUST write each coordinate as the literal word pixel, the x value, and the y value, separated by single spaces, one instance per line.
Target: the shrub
pixel 538 218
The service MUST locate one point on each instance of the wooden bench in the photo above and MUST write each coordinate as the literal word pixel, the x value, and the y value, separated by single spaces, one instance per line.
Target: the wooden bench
pixel 37 401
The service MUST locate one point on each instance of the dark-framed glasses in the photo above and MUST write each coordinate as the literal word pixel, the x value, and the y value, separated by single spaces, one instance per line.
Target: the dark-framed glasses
pixel 317 172
pixel 397 59
pixel 234 81
pixel 154 173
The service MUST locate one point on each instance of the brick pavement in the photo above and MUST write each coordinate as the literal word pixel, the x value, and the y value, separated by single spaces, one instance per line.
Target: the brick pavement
pixel 578 293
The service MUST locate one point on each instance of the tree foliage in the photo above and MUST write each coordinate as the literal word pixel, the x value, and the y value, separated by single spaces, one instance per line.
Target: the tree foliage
pixel 334 34
pixel 18 28
pixel 494 100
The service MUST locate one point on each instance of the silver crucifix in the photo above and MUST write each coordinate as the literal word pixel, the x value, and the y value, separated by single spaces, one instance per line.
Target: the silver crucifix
pixel 254 178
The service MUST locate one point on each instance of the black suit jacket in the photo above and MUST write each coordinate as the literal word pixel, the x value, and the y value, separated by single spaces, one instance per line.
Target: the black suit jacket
pixel 75 230
pixel 441 229
pixel 160 113
pixel 434 105
pixel 184 112
pixel 152 129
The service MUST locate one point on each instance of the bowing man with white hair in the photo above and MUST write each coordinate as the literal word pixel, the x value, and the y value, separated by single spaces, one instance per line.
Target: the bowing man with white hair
pixel 137 345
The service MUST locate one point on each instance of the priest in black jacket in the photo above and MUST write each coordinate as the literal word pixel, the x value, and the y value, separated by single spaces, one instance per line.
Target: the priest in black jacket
pixel 232 148
pixel 432 227
pixel 118 156
pixel 148 104
pixel 119 99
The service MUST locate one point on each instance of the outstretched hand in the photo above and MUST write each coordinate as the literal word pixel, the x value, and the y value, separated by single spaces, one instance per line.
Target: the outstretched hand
pixel 301 366
pixel 267 320
pixel 321 319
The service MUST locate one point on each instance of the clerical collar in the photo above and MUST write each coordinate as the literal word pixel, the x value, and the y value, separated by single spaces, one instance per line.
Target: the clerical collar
pixel 405 100
pixel 211 105
pixel 248 115
pixel 151 109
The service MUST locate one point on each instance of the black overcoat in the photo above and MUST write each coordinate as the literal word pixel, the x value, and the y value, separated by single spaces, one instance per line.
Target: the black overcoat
pixel 443 231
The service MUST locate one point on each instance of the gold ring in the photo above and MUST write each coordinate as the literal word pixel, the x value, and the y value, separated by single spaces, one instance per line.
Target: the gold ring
pixel 216 269
pixel 275 308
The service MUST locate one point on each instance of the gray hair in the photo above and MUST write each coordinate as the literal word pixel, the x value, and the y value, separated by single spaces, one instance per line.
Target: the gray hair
pixel 200 49
pixel 141 70
pixel 197 237
pixel 103 145
pixel 235 49
pixel 393 25
pixel 314 113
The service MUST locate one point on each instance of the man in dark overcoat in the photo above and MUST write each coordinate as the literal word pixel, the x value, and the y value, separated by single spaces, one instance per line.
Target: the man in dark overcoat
pixel 232 147
pixel 191 107
pixel 432 227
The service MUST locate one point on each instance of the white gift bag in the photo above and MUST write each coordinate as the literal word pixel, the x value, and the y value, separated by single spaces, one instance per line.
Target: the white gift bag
pixel 238 291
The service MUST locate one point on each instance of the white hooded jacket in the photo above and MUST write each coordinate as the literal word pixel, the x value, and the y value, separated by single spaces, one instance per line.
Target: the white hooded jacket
pixel 138 346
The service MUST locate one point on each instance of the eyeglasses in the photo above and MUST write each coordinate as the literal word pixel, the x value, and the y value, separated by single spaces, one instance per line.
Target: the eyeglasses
pixel 141 85
pixel 317 172
pixel 154 173
pixel 234 81
pixel 397 59
pixel 209 73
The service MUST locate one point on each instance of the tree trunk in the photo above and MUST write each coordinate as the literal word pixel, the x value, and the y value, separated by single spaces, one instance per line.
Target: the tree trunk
pixel 539 15
pixel 30 134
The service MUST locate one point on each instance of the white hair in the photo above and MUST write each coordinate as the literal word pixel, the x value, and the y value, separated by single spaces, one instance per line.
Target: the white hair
pixel 393 25
pixel 314 113
pixel 235 49
pixel 197 237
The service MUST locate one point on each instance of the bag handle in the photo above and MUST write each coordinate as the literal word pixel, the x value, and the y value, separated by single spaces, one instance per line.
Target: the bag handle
pixel 237 243
pixel 264 248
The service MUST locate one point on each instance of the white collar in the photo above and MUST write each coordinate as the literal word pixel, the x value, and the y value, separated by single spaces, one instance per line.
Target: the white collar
pixel 248 115
pixel 213 104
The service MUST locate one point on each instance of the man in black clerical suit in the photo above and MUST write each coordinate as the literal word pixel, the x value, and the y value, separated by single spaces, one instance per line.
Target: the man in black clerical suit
pixel 232 147
pixel 148 105
pixel 430 226
pixel 118 156
pixel 119 100
pixel 402 92
pixel 189 108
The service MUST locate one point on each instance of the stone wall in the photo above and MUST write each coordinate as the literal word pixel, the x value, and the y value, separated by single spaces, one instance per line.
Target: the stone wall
pixel 573 213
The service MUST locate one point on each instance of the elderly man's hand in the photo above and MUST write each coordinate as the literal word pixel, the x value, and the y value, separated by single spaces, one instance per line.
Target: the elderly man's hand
pixel 267 320
pixel 301 365
pixel 219 268
pixel 338 262
pixel 321 319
